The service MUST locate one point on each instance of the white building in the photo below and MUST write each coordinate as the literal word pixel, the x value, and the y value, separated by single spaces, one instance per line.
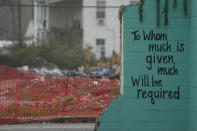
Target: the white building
pixel 54 17
pixel 101 26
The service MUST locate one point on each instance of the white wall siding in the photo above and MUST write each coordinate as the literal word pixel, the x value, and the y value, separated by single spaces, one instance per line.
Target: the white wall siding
pixel 110 31
pixel 64 17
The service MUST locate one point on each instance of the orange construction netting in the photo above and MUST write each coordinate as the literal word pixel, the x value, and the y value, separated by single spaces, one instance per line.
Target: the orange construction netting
pixel 28 96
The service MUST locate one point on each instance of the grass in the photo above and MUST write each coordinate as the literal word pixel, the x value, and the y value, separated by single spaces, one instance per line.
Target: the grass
pixel 38 112
pixel 29 111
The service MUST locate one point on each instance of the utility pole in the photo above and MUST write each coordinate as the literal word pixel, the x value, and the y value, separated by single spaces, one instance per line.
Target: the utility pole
pixel 19 24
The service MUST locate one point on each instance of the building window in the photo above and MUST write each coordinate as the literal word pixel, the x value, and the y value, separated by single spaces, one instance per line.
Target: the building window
pixel 100 12
pixel 42 15
pixel 100 47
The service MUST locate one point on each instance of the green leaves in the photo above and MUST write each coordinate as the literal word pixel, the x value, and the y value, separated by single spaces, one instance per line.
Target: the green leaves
pixel 44 55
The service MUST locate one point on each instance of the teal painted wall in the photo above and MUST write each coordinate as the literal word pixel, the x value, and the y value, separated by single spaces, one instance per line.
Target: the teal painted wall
pixel 193 63
pixel 134 111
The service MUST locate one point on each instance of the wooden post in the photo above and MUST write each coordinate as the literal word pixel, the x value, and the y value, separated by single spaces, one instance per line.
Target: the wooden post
pixel 121 55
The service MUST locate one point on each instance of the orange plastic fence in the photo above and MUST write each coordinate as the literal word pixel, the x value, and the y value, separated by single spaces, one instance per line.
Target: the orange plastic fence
pixel 7 73
pixel 39 99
